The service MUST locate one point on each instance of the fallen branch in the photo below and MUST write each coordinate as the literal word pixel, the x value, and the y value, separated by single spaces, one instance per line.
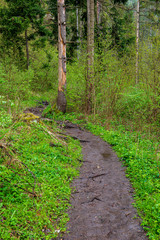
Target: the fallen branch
pixel 54 136
pixel 98 175
pixel 15 185
pixel 12 157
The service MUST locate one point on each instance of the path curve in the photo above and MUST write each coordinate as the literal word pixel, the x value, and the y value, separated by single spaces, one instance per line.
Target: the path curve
pixel 102 202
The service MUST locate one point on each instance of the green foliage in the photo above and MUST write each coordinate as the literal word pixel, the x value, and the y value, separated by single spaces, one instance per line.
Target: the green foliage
pixel 15 83
pixel 5 118
pixel 50 111
pixel 121 30
pixel 36 171
pixel 114 92
pixel 18 85
pixel 76 84
pixel 45 66
pixel 133 104
pixel 19 15
pixel 20 22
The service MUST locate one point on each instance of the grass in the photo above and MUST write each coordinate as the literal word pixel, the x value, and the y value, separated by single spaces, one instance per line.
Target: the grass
pixel 37 168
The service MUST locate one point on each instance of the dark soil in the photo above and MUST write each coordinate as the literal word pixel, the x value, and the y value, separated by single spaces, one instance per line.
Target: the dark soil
pixel 102 200
pixel 102 196
pixel 37 110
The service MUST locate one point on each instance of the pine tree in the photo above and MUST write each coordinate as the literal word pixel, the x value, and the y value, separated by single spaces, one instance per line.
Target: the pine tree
pixel 21 21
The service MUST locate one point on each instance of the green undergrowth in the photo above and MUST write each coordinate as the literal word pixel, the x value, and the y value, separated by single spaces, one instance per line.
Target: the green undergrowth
pixel 141 156
pixel 37 168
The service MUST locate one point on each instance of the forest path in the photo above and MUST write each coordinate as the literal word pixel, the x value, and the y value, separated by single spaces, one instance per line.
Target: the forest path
pixel 102 202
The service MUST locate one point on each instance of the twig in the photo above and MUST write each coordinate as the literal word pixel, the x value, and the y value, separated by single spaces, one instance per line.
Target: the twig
pixel 2 145
pixel 98 175
pixel 31 174
pixel 21 177
pixel 15 185
pixel 9 130
pixel 54 136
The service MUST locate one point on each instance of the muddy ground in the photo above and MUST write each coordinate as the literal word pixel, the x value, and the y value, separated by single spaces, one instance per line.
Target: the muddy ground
pixel 102 201
pixel 102 197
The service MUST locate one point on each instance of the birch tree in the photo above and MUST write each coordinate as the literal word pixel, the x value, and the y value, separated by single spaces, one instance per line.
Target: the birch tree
pixel 61 100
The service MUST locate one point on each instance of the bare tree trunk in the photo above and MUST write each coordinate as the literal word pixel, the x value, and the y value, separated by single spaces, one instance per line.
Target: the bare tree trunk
pixel 99 6
pixel 137 41
pixel 27 48
pixel 61 100
pixel 90 54
pixel 77 19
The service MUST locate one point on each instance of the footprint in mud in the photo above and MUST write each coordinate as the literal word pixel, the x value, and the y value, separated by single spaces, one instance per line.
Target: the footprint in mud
pixel 106 156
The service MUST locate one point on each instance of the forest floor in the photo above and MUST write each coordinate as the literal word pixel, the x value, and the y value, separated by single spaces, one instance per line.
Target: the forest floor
pixel 102 195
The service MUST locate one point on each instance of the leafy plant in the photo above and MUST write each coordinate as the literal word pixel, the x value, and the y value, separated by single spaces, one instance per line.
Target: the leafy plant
pixel 36 171
pixel 133 104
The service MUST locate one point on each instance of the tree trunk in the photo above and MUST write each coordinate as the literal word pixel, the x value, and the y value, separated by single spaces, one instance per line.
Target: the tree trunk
pixel 61 100
pixel 137 41
pixel 27 48
pixel 90 55
pixel 99 6
pixel 77 20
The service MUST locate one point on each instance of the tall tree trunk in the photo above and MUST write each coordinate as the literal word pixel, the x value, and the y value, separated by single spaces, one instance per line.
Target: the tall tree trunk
pixel 77 20
pixel 27 48
pixel 137 41
pixel 99 6
pixel 61 100
pixel 90 54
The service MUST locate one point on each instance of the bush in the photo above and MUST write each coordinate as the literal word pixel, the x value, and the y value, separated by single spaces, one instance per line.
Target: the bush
pixel 15 82
pixel 45 66
pixel 76 84
pixel 133 104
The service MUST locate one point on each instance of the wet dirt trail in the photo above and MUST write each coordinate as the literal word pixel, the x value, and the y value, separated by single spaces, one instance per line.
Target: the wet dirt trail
pixel 102 201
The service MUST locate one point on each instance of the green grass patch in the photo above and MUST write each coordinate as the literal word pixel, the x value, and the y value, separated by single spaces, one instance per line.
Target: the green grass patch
pixel 37 168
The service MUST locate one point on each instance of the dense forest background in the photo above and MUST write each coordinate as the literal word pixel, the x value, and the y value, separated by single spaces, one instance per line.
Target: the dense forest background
pixel 29 57
pixel 112 80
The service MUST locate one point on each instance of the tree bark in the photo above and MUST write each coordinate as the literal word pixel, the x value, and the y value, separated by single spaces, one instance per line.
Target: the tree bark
pixel 99 6
pixel 137 41
pixel 61 100
pixel 27 48
pixel 77 21
pixel 90 55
